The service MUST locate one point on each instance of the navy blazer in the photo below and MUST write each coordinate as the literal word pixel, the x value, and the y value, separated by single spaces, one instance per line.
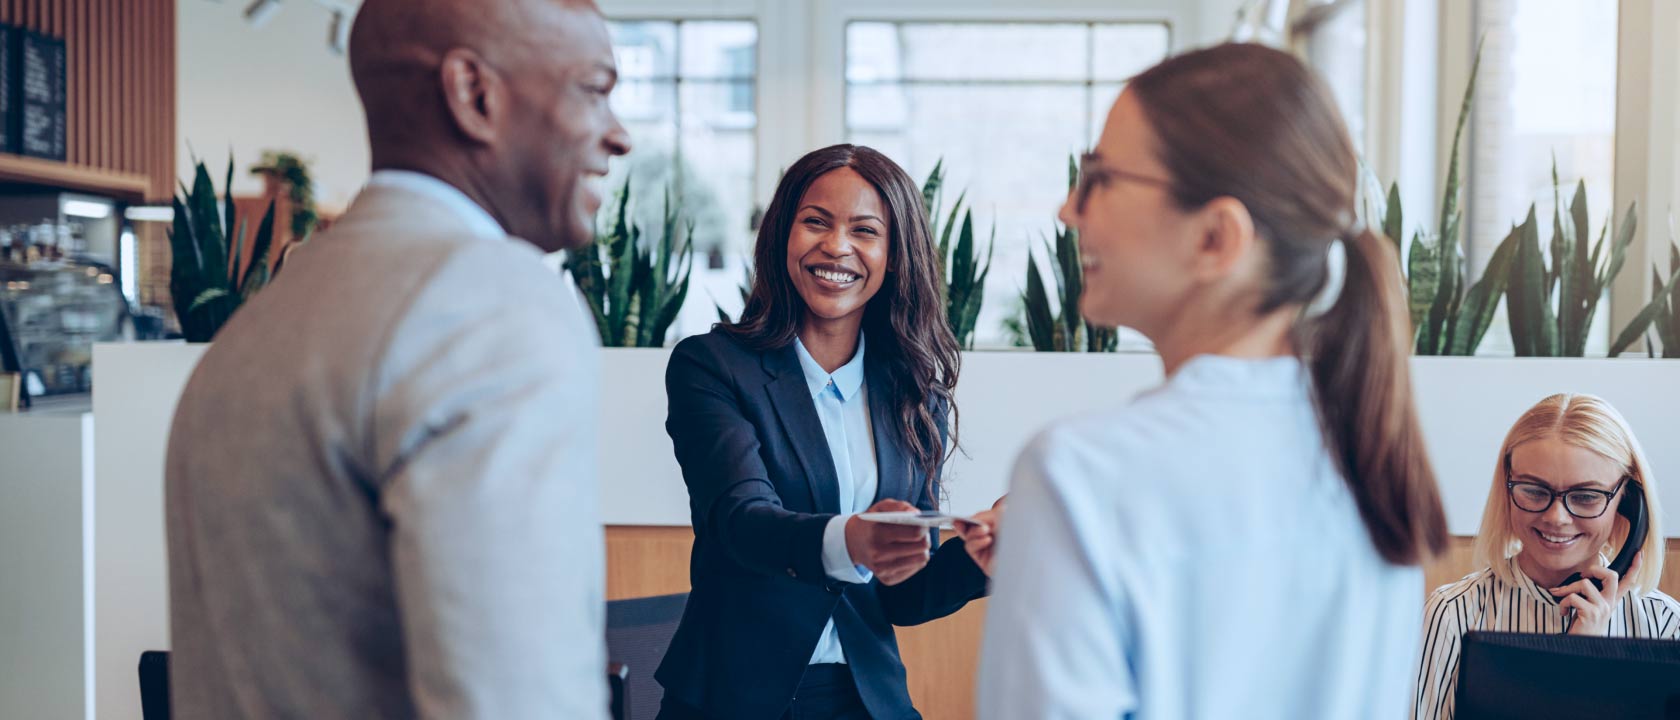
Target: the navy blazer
pixel 761 489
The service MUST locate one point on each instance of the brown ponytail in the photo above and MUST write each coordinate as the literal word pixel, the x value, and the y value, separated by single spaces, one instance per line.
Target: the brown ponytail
pixel 1252 123
pixel 1359 352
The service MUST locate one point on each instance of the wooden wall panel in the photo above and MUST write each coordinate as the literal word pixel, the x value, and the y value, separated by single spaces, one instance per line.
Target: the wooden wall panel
pixel 941 657
pixel 120 105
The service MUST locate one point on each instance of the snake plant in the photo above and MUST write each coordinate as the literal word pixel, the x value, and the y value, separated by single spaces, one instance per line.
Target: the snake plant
pixel 205 243
pixel 1064 330
pixel 634 291
pixel 1450 315
pixel 963 275
pixel 1661 315
pixel 1551 307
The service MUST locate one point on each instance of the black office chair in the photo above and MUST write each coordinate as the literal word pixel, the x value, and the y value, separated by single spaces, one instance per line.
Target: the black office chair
pixel 617 673
pixel 638 631
pixel 154 685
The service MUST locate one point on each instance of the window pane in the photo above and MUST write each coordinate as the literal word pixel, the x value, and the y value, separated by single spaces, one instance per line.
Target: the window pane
pixel 1121 51
pixel 1547 88
pixel 1004 105
pixel 719 50
pixel 967 51
pixel 1337 50
pixel 688 97
pixel 644 49
pixel 644 104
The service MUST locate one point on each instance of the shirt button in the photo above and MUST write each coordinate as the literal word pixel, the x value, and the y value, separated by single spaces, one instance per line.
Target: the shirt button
pixel 792 574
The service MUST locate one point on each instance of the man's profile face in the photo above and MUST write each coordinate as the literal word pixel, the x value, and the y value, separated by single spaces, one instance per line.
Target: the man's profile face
pixel 565 131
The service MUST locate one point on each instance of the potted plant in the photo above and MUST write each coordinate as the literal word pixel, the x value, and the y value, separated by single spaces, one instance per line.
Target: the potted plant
pixel 206 240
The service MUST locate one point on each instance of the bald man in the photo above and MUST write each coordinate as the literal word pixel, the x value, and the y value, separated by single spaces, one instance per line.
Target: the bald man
pixel 381 480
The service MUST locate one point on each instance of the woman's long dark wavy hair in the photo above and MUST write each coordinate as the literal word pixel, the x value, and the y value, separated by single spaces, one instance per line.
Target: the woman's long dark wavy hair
pixel 904 324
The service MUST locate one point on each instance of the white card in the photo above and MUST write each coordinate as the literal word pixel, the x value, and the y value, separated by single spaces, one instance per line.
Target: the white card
pixel 922 518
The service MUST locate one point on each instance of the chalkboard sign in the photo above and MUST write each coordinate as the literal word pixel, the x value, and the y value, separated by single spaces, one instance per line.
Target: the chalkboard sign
pixel 8 82
pixel 41 80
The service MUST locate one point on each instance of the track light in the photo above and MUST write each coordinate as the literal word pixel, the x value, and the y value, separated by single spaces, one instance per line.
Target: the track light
pixel 260 11
pixel 338 32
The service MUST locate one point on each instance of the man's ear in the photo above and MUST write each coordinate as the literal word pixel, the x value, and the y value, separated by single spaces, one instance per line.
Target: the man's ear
pixel 1226 237
pixel 473 94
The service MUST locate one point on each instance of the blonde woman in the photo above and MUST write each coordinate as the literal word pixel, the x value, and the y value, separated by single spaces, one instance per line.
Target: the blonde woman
pixel 1552 512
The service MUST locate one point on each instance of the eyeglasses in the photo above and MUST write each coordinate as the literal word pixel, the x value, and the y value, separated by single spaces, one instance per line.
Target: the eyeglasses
pixel 1093 173
pixel 1584 503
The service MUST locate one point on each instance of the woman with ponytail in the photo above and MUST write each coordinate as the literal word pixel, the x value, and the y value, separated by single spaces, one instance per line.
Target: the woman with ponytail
pixel 1246 539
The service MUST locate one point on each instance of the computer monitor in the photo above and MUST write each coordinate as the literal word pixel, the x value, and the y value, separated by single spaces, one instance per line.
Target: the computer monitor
pixel 1530 676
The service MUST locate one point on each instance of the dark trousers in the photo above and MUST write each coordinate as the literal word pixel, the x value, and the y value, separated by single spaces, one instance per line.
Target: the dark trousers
pixel 826 692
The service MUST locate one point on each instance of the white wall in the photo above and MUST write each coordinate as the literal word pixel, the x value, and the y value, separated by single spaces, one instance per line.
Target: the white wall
pixel 139 386
pixel 1465 406
pixel 274 87
pixel 46 642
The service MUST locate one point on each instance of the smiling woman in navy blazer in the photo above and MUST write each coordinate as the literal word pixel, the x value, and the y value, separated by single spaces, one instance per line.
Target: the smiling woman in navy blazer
pixel 830 397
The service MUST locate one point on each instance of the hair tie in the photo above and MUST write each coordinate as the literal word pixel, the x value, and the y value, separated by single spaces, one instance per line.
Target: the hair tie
pixel 1335 276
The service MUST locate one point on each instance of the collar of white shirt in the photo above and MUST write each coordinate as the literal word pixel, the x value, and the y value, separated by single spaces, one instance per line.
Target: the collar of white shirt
pixel 445 195
pixel 847 379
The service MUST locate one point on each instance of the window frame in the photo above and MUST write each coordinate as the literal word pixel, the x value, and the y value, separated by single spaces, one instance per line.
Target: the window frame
pixel 801 50
pixel 1419 55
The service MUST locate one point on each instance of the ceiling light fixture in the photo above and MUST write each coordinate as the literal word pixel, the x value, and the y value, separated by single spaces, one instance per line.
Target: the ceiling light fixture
pixel 86 209
pixel 259 12
pixel 338 32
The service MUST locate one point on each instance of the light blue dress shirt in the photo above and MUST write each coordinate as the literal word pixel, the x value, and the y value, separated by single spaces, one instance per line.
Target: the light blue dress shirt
pixel 842 401
pixel 1195 554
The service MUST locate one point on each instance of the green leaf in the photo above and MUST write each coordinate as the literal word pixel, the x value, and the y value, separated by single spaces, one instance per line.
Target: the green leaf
pixel 667 315
pixel 1618 248
pixel 1067 261
pixel 256 276
pixel 1673 270
pixel 212 238
pixel 1558 274
pixel 1482 301
pixel 967 316
pixel 962 262
pixel 1586 293
pixel 950 222
pixel 1643 320
pixel 1393 223
pixel 1449 198
pixel 238 248
pixel 1423 283
pixel 1668 322
pixel 231 214
pixel 1040 323
pixel 1533 326
pixel 206 297
pixel 930 188
pixel 621 269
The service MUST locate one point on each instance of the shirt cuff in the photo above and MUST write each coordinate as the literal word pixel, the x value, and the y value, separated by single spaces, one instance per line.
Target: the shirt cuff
pixel 837 559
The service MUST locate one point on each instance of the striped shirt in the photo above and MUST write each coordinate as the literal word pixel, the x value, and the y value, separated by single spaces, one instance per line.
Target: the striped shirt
pixel 1482 601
